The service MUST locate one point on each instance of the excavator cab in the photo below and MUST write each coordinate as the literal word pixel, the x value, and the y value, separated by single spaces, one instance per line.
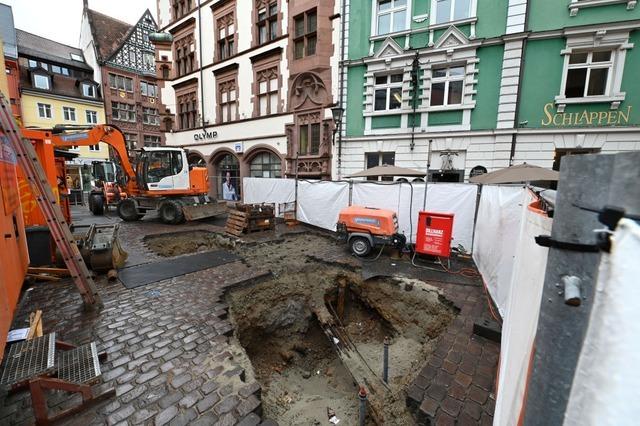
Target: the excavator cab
pixel 163 169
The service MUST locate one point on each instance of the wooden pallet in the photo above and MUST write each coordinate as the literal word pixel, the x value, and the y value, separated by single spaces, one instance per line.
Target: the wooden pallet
pixel 247 218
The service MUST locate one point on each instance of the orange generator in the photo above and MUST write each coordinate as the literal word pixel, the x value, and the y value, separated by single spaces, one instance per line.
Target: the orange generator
pixel 365 227
pixel 14 257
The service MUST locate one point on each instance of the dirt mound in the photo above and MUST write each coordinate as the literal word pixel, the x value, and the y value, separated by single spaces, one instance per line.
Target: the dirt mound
pixel 178 243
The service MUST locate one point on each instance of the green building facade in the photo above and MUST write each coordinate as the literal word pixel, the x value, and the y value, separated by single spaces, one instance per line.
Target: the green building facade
pixel 486 83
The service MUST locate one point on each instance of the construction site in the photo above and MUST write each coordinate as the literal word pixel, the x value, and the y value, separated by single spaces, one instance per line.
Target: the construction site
pixel 349 302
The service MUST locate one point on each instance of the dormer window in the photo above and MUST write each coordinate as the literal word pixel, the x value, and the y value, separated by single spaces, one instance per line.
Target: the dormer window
pixel 76 57
pixel 42 81
pixel 88 90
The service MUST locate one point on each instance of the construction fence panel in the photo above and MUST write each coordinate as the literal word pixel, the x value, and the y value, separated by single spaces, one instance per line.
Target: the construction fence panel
pixel 320 202
pixel 521 315
pixel 496 237
pixel 280 192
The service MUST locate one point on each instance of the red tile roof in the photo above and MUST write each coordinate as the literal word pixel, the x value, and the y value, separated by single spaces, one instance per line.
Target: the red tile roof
pixel 108 33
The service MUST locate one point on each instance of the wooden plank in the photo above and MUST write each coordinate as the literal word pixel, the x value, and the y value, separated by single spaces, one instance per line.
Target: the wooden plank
pixel 43 277
pixel 35 324
pixel 233 232
pixel 237 222
pixel 237 213
pixel 62 272
pixel 236 225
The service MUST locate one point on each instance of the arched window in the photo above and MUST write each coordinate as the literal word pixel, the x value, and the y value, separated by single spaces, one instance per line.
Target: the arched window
pixel 228 176
pixel 266 165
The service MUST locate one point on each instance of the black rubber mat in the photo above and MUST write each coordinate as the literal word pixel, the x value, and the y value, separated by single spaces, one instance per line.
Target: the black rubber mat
pixel 147 273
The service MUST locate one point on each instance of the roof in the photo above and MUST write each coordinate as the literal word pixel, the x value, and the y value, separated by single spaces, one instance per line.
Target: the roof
pixel 49 50
pixel 108 33
pixel 8 32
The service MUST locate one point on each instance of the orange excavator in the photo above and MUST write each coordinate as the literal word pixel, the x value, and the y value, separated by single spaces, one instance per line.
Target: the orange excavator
pixel 162 179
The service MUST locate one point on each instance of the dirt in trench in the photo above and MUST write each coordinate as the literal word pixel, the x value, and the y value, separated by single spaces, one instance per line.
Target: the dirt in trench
pixel 307 359
pixel 178 243
pixel 305 356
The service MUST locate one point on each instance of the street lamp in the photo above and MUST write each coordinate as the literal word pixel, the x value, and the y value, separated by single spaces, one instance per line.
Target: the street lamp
pixel 337 112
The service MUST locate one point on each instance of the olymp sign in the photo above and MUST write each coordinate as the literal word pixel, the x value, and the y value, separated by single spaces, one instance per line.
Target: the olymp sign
pixel 585 118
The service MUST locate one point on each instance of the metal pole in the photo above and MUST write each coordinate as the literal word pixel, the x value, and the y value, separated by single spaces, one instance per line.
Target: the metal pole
pixel 385 360
pixel 296 192
pixel 362 395
pixel 426 177
pixel 587 184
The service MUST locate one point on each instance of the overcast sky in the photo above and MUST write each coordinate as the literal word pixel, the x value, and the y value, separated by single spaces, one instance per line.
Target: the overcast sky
pixel 59 20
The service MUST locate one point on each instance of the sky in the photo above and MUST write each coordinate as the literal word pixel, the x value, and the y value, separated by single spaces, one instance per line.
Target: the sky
pixel 59 20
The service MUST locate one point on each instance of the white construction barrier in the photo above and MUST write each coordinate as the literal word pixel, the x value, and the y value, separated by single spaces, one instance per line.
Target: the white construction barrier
pixel 605 386
pixel 524 290
pixel 319 202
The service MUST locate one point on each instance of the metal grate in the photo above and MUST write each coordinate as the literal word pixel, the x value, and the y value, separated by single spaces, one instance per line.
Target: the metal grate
pixel 28 359
pixel 79 365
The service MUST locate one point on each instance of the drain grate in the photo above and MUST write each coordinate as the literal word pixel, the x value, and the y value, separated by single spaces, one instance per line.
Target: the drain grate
pixel 79 365
pixel 28 359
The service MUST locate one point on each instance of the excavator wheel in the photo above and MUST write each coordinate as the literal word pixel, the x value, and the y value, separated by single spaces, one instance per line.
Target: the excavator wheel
pixel 128 211
pixel 171 212
pixel 96 204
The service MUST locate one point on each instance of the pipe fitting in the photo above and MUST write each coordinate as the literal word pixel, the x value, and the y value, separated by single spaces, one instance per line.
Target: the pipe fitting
pixel 572 286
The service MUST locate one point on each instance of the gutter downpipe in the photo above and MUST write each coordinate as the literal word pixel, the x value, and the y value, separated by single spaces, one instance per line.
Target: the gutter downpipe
pixel 201 65
pixel 516 122
pixel 341 90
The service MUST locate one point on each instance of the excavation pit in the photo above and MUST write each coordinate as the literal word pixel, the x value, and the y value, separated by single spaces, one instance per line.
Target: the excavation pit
pixel 309 358
pixel 187 242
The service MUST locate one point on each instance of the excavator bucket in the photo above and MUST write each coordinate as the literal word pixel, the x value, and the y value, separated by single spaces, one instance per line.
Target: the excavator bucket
pixel 201 211
pixel 101 249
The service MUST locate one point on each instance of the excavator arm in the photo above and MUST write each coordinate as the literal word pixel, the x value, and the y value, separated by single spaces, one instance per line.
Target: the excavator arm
pixel 99 133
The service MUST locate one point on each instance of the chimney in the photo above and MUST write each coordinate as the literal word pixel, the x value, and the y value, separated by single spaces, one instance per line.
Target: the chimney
pixel 85 4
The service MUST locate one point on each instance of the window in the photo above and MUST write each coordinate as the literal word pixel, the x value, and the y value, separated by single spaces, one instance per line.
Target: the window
pixel 148 89
pixel 226 36
pixel 185 55
pixel 267 82
pixel 69 113
pixel 163 164
pixel 181 8
pixel 391 16
pixel 150 116
pixel 446 86
pixel 187 111
pixel 267 22
pixel 64 71
pixel 588 74
pixel 88 90
pixel 151 140
pixel 92 117
pixel 374 159
pixel 95 147
pixel 44 110
pixel 55 69
pixel 228 99
pixel 309 139
pixel 388 92
pixel 165 73
pixel 120 82
pixel 305 26
pixel 452 10
pixel 41 81
pixel 76 57
pixel 266 165
pixel 131 140
pixel 32 63
pixel 149 59
pixel 123 112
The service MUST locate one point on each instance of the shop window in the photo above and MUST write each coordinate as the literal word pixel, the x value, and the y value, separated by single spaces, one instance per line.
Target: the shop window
pixel 388 92
pixel 588 74
pixel 375 159
pixel 267 21
pixel 266 165
pixel 391 16
pixel 44 110
pixel 305 38
pixel 92 117
pixel 69 113
pixel 447 86
pixel 452 10
pixel 228 176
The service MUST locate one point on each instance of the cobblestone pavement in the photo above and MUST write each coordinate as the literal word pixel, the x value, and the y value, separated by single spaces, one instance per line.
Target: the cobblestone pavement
pixel 171 362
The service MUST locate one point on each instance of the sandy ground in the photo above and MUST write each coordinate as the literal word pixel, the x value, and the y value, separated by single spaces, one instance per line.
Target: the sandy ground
pixel 306 357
